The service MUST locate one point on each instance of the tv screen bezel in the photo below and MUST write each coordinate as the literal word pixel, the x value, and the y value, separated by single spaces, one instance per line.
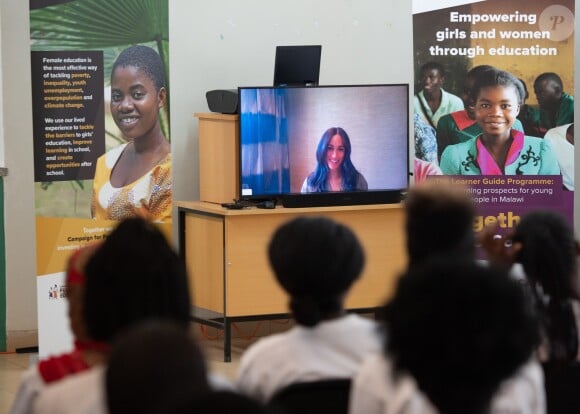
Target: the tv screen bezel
pixel 326 199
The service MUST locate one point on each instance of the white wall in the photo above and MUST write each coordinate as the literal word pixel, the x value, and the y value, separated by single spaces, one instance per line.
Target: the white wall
pixel 19 184
pixel 214 45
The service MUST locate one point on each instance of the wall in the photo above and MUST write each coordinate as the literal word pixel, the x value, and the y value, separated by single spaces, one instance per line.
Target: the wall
pixel 226 44
pixel 18 185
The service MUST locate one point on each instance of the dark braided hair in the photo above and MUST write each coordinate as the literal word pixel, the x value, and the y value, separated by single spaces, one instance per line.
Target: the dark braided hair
pixel 315 260
pixel 548 256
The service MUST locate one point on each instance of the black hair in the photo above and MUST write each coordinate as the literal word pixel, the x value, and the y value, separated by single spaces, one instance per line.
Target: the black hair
pixel 134 275
pixel 145 59
pixel 428 66
pixel 459 329
pixel 526 93
pixel 350 176
pixel 475 71
pixel 551 76
pixel 548 256
pixel 497 77
pixel 439 220
pixel 154 368
pixel 315 260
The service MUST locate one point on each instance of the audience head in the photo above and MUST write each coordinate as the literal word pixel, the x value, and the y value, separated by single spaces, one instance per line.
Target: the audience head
pixel 459 329
pixel 155 368
pixel 547 252
pixel 439 220
pixel 548 88
pixel 315 260
pixel 133 276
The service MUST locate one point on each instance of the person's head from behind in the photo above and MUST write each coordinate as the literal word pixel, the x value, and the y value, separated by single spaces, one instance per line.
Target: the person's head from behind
pixel 137 91
pixel 547 251
pixel 156 367
pixel 432 77
pixel 315 260
pixel 459 329
pixel 466 95
pixel 439 221
pixel 135 275
pixel 498 95
pixel 548 88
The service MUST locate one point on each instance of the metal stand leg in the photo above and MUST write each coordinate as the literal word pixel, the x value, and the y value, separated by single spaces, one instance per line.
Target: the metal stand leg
pixel 227 340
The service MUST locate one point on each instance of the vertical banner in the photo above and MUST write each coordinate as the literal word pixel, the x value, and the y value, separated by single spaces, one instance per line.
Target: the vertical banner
pixel 101 134
pixel 512 146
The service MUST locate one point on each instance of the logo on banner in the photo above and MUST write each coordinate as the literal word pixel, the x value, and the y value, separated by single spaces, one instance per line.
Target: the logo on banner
pixel 56 292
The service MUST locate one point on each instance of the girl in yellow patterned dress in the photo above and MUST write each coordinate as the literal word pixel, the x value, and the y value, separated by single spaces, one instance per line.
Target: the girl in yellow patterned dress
pixel 134 179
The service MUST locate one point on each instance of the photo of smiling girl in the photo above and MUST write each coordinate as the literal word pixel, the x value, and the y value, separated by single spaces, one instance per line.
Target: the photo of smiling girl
pixel 134 178
pixel 499 149
pixel 335 170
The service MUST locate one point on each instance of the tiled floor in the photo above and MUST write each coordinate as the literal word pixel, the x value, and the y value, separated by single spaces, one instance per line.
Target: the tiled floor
pixel 12 365
pixel 11 368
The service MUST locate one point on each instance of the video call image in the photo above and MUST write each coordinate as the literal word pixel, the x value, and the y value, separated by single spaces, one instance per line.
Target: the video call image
pixel 323 139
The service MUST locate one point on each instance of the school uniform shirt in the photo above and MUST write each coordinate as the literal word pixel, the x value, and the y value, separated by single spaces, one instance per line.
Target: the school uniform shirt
pixel 47 371
pixel 332 349
pixel 458 127
pixel 449 103
pixel 82 393
pixel 526 155
pixel 564 151
pixel 375 390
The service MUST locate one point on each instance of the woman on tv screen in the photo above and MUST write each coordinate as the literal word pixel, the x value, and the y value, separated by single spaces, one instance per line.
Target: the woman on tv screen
pixel 335 171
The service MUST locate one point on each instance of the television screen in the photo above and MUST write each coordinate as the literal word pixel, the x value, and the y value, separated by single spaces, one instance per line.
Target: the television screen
pixel 327 145
pixel 297 65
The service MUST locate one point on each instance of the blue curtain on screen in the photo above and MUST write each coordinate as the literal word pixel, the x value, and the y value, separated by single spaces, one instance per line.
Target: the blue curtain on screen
pixel 264 137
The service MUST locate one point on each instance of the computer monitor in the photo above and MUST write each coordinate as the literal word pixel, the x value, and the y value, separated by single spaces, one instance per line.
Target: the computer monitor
pixel 297 65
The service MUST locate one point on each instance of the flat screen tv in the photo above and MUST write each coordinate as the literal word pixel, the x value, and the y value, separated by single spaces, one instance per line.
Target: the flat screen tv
pixel 297 65
pixel 324 146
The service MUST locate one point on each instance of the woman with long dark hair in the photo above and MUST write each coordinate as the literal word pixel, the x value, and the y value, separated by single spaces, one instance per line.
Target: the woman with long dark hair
pixel 335 170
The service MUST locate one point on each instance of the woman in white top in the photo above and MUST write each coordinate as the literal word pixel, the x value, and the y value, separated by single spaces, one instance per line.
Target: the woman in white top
pixel 315 260
pixel 459 338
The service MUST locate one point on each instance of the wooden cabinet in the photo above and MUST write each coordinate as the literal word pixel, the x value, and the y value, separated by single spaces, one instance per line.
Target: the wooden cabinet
pixel 218 157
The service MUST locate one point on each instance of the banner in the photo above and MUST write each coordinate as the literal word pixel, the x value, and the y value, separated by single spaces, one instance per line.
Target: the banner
pixel 93 126
pixel 513 154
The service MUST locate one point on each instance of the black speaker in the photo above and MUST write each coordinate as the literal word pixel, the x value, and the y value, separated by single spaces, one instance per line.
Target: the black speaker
pixel 224 101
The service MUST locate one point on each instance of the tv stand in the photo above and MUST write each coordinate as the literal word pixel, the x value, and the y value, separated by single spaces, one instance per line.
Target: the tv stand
pixel 230 277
